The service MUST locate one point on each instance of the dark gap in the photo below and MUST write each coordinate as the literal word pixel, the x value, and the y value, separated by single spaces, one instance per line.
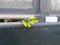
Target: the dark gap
pixel 1 20
pixel 14 20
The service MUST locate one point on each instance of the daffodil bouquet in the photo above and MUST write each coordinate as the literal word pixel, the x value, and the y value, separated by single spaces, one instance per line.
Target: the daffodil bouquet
pixel 27 22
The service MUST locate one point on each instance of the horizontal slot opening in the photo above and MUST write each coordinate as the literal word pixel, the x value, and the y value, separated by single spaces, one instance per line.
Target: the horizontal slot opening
pixel 1 20
pixel 10 20
pixel 14 20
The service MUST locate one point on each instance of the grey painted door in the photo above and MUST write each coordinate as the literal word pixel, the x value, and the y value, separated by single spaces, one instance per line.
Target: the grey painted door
pixel 37 36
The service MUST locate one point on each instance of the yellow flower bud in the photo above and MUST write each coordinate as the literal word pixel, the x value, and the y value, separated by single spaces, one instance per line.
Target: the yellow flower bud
pixel 28 24
pixel 25 24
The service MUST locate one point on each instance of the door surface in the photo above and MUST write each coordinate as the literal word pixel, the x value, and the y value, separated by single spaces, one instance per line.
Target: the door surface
pixel 32 36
